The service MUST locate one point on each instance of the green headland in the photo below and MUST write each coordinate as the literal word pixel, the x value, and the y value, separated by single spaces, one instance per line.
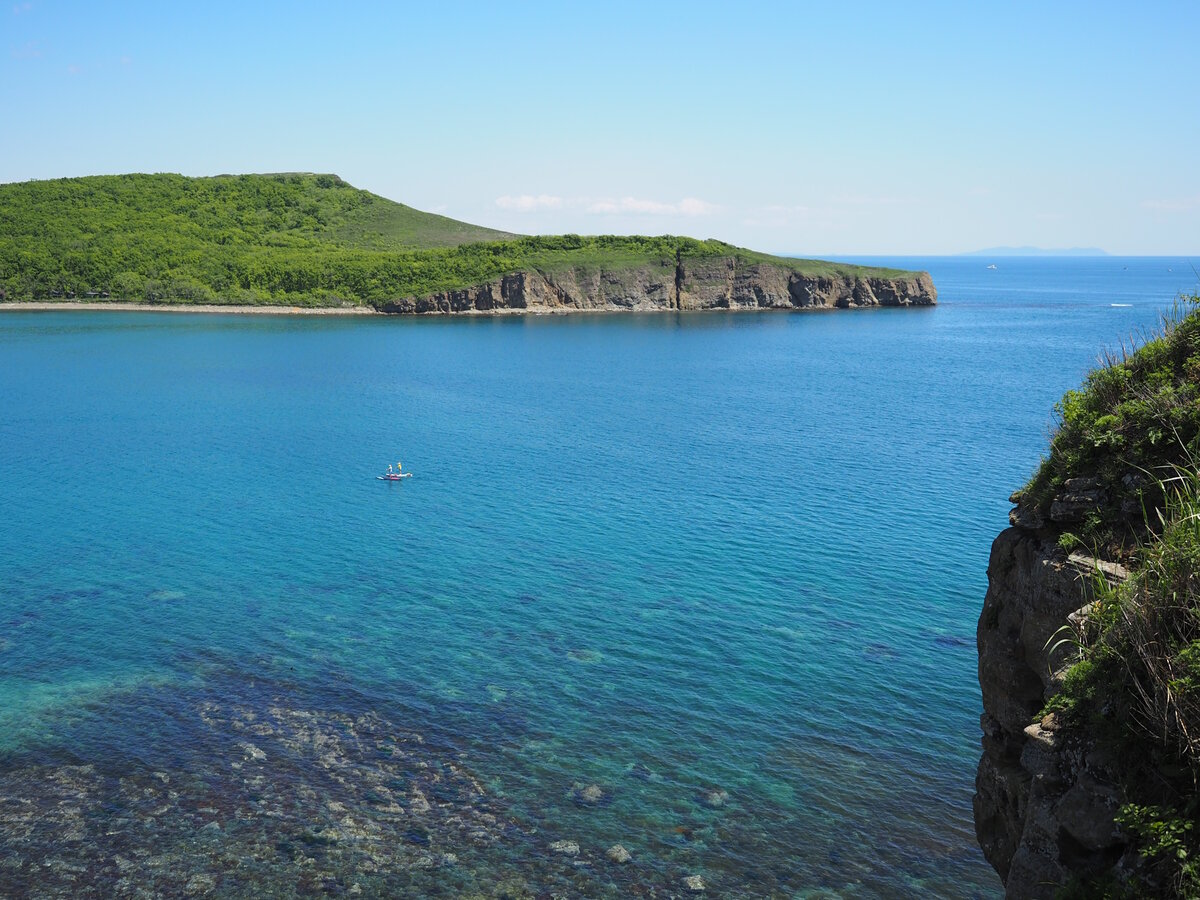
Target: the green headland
pixel 314 240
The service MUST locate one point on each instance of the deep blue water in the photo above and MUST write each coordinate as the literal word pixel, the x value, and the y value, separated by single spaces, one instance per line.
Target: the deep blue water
pixel 667 555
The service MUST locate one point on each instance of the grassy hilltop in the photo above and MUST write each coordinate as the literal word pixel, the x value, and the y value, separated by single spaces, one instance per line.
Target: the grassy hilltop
pixel 295 239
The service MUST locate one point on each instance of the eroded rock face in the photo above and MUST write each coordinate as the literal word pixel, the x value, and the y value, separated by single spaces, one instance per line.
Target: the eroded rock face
pixel 714 283
pixel 1079 497
pixel 1045 799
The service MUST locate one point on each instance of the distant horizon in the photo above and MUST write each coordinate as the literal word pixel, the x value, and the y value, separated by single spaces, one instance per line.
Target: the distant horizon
pixel 983 258
pixel 1026 250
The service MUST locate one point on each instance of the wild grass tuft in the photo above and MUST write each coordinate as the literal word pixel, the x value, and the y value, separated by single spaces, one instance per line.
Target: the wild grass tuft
pixel 1136 417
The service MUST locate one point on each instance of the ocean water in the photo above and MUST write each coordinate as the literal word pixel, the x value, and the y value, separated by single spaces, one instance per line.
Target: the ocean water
pixel 702 585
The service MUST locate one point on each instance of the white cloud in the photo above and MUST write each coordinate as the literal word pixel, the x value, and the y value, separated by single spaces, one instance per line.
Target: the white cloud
pixel 688 206
pixel 1179 204
pixel 529 202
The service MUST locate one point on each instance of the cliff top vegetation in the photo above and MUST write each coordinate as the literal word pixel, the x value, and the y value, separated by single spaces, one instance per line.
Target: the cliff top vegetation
pixel 296 239
pixel 1132 424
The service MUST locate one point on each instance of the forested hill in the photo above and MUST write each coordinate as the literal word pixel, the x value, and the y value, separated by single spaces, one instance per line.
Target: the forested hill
pixel 284 210
pixel 297 239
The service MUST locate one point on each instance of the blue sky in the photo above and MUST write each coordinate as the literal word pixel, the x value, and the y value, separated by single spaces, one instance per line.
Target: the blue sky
pixel 876 128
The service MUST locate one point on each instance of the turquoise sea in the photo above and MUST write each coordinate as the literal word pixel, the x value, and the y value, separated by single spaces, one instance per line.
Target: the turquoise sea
pixel 703 585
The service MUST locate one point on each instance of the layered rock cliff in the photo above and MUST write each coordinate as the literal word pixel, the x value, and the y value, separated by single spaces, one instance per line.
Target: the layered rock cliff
pixel 1045 796
pixel 707 283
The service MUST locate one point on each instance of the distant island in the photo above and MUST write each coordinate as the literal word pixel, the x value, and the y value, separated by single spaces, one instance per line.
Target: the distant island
pixel 314 241
pixel 1036 251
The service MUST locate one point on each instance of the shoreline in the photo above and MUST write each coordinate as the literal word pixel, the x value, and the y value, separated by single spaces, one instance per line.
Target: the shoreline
pixel 126 306
pixel 213 308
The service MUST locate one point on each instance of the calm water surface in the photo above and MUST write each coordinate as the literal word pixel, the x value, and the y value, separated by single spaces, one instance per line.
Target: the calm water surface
pixel 704 585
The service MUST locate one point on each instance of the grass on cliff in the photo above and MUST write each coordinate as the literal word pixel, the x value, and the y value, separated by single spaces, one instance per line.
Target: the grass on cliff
pixel 298 239
pixel 1136 418
pixel 1135 690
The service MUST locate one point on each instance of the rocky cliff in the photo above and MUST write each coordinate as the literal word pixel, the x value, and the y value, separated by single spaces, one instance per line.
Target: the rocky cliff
pixel 707 283
pixel 1090 672
pixel 1045 797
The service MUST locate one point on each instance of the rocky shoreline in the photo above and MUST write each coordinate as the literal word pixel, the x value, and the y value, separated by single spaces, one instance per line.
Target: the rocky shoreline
pixel 128 306
pixel 702 285
pixel 707 284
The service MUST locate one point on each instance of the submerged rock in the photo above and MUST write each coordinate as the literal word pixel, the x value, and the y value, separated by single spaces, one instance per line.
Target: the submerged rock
pixel 567 848
pixel 587 795
pixel 322 802
pixel 618 854
pixel 714 799
pixel 200 884
pixel 586 657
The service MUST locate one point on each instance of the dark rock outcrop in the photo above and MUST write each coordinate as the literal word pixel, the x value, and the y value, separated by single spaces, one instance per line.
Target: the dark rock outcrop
pixel 708 283
pixel 1079 497
pixel 1045 797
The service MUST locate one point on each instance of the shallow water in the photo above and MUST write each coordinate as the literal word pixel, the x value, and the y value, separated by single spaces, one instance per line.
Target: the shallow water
pixel 704 585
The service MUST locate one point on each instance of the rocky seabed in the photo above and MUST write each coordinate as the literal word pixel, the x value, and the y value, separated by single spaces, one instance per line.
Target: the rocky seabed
pixel 279 800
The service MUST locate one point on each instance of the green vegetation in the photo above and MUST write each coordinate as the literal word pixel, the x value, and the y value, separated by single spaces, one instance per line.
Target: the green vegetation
pixel 1136 418
pixel 1135 689
pixel 296 239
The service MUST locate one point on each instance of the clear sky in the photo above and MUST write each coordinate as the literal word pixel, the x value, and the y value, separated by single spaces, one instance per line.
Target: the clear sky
pixel 880 127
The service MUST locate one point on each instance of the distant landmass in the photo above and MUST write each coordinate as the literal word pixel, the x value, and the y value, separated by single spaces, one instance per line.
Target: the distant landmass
pixel 304 239
pixel 1037 251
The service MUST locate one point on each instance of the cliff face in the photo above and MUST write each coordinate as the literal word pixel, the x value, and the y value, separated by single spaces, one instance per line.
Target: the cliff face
pixel 1045 797
pixel 1116 652
pixel 710 283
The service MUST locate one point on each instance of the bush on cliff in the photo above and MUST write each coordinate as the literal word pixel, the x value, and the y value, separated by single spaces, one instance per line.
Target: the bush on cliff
pixel 1135 418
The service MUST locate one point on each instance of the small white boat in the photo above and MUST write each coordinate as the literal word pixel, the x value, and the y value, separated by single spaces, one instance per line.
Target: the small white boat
pixel 992 266
pixel 392 476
